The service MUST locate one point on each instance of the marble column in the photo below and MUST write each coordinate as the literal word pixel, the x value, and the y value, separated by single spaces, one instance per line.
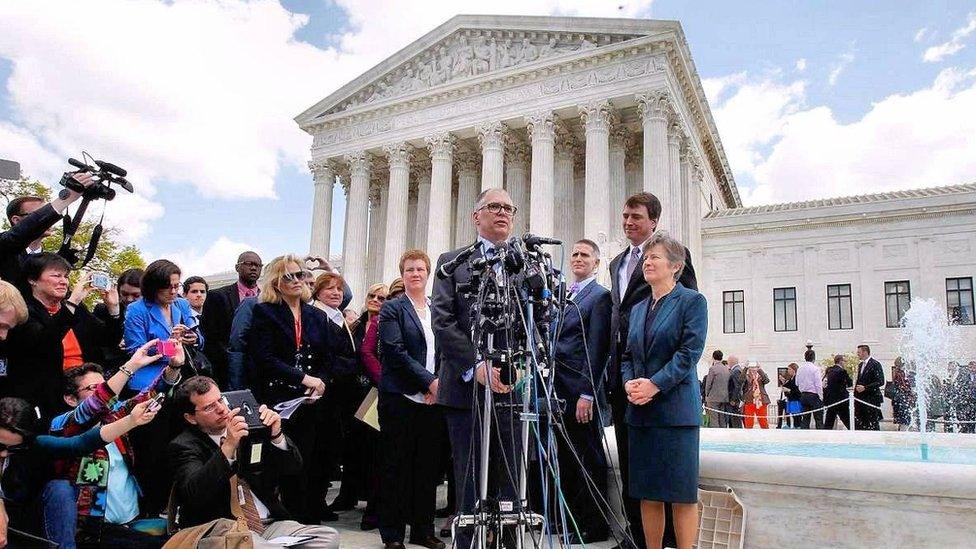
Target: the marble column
pixel 517 181
pixel 618 187
pixel 396 203
pixel 423 206
pixel 671 210
pixel 412 216
pixel 695 211
pixel 441 147
pixel 541 128
pixel 354 254
pixel 491 136
pixel 686 190
pixel 467 163
pixel 377 234
pixel 324 175
pixel 579 189
pixel 564 193
pixel 654 109
pixel 596 119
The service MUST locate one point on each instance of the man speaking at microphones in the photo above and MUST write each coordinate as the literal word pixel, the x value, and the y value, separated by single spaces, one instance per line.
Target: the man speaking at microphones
pixel 493 214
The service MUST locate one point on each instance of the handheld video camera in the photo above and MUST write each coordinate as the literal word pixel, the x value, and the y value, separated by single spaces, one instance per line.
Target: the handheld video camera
pixel 104 175
pixel 251 451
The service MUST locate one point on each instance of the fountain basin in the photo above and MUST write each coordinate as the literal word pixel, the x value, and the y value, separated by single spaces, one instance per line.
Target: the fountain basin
pixel 860 489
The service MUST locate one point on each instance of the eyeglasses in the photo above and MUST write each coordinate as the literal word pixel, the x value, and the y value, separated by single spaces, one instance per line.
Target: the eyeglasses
pixel 174 286
pixel 13 448
pixel 377 297
pixel 498 207
pixel 89 387
pixel 250 264
pixel 212 407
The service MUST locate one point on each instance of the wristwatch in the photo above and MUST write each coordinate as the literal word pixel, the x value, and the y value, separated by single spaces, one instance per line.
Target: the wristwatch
pixel 64 194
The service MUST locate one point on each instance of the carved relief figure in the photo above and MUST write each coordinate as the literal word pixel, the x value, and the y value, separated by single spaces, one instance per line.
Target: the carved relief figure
pixel 463 58
pixel 529 52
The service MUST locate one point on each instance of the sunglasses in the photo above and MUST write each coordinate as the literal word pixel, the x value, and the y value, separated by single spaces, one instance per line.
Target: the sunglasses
pixel 377 297
pixel 14 448
pixel 295 277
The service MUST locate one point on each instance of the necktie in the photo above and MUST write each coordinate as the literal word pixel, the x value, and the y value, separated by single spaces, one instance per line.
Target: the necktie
pixel 246 499
pixel 632 262
pixel 573 288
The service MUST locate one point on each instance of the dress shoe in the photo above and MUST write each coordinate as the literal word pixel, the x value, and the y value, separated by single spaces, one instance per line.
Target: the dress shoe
pixel 370 522
pixel 443 512
pixel 341 504
pixel 394 545
pixel 430 542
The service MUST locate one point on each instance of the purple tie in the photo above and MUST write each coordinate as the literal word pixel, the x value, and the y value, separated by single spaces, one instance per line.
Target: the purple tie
pixel 632 262
pixel 572 289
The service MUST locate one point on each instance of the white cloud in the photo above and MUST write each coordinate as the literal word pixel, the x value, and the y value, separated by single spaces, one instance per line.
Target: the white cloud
pixel 954 44
pixel 921 34
pixel 201 92
pixel 842 63
pixel 219 257
pixel 801 65
pixel 796 152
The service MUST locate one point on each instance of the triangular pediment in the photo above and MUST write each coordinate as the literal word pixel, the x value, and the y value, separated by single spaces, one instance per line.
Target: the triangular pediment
pixel 471 46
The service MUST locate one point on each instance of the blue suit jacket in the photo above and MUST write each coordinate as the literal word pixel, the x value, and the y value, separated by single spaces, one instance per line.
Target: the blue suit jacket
pixel 575 375
pixel 667 353
pixel 404 349
pixel 144 321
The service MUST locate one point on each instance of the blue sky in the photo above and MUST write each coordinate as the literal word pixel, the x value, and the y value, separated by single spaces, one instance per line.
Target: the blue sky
pixel 196 99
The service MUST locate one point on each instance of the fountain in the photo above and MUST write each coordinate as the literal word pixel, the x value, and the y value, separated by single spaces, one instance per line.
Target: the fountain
pixel 862 488
pixel 927 345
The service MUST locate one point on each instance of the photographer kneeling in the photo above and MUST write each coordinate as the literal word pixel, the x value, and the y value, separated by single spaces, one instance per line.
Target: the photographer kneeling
pixel 206 468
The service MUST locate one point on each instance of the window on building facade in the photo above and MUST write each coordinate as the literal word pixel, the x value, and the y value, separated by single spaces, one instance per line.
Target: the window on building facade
pixel 898 297
pixel 734 312
pixel 839 313
pixel 784 309
pixel 959 300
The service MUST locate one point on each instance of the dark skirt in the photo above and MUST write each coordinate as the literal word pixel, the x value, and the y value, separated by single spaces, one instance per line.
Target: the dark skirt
pixel 664 464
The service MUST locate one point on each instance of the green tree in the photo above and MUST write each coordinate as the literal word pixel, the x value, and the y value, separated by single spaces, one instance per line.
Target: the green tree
pixel 111 256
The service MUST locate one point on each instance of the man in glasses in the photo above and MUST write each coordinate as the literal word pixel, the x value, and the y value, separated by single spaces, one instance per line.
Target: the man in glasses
pixel 493 215
pixel 207 474
pixel 219 309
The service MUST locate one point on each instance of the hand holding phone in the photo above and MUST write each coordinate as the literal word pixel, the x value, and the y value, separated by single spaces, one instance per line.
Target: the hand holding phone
pixel 166 347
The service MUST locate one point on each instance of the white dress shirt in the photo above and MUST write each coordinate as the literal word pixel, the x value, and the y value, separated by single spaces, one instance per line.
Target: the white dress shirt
pixel 425 322
pixel 809 379
pixel 622 280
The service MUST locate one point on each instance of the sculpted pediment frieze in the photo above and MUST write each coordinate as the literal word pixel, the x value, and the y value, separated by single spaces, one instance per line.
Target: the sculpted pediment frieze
pixel 470 52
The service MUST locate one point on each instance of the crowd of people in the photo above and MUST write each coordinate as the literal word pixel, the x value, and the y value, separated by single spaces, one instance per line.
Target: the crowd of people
pixel 170 411
pixel 735 396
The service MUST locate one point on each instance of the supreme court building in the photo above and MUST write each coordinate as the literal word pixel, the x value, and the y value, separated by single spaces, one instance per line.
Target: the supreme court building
pixel 571 116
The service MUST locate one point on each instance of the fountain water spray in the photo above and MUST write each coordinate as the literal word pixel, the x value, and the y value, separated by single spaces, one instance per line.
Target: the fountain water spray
pixel 928 342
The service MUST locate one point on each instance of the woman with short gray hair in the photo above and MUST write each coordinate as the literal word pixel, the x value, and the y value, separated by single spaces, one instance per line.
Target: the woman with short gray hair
pixel 666 339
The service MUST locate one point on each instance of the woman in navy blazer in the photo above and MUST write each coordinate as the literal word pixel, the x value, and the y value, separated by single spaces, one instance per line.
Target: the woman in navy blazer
pixel 290 348
pixel 666 339
pixel 410 421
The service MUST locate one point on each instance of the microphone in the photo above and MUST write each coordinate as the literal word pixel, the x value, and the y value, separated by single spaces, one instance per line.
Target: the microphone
pixel 514 262
pixel 447 269
pixel 79 164
pixel 534 241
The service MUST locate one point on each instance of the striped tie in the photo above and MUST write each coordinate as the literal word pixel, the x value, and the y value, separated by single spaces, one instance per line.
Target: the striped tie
pixel 246 498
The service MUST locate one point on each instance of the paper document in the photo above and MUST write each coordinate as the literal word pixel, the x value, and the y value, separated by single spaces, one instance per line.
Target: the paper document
pixel 289 541
pixel 368 411
pixel 287 408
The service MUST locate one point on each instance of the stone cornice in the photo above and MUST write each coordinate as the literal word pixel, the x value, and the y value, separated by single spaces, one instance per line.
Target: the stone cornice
pixel 832 222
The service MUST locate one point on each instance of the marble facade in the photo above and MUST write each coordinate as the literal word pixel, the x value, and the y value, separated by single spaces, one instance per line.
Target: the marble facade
pixel 570 115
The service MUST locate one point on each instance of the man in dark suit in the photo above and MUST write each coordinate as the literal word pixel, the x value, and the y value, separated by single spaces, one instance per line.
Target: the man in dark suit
pixel 627 287
pixel 582 344
pixel 31 220
pixel 219 308
pixel 204 460
pixel 867 387
pixel 493 215
pixel 836 383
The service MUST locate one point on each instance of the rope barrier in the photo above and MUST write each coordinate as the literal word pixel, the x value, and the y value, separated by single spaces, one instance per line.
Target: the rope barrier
pixel 838 403
pixel 783 415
